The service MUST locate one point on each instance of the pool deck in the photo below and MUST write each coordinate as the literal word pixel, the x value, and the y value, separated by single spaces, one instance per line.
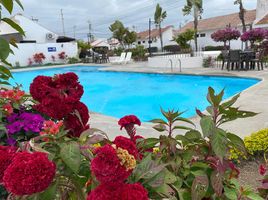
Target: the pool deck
pixel 254 99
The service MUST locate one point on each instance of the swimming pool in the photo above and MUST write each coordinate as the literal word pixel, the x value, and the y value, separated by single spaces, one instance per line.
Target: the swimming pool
pixel 121 93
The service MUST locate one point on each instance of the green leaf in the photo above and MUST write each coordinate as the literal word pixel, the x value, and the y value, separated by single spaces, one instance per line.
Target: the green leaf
pixel 148 143
pixel 49 193
pixel 160 127
pixel 71 156
pixel 219 143
pixel 213 99
pixel 199 187
pixel 193 135
pixel 181 128
pixel 4 49
pixel 19 3
pixel 4 70
pixel 8 4
pixel 160 121
pixel 207 126
pixel 14 25
pixel 230 193
pixel 217 183
pixel 184 120
pixel 237 142
pixel 254 196
pixel 231 102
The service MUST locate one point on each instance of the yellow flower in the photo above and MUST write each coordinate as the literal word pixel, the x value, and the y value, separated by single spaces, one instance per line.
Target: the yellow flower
pixel 127 160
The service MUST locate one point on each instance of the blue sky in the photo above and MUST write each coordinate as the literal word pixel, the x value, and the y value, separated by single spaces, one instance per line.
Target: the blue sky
pixel 101 13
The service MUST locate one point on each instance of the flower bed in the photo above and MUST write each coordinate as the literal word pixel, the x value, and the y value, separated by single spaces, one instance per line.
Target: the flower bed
pixel 49 148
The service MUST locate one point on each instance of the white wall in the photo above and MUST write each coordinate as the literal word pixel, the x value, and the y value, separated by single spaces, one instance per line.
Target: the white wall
pixel 262 9
pixel 27 50
pixel 208 41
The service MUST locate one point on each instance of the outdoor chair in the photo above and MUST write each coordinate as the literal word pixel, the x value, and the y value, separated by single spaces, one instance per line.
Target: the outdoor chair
pixel 104 58
pixel 234 59
pixel 258 60
pixel 120 60
pixel 128 57
pixel 225 57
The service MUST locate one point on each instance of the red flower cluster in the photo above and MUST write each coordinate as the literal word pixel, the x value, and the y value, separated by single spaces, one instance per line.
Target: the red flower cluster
pixel 12 95
pixel 119 192
pixel 59 97
pixel 127 144
pixel 29 173
pixel 129 120
pixel 38 58
pixel 106 166
pixel 62 55
pixel 6 156
pixel 262 169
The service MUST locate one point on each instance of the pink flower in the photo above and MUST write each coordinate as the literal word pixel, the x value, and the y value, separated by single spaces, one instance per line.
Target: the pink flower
pixel 262 169
pixel 8 108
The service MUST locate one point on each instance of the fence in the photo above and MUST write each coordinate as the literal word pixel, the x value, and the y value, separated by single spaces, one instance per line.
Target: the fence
pixel 27 50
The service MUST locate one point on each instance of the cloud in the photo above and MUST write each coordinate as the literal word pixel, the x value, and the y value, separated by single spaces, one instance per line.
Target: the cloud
pixel 102 13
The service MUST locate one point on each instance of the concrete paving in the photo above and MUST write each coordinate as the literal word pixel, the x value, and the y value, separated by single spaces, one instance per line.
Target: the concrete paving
pixel 254 99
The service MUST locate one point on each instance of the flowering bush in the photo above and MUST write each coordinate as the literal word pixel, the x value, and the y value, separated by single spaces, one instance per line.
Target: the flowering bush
pixel 39 58
pixel 225 35
pixel 62 55
pixel 256 34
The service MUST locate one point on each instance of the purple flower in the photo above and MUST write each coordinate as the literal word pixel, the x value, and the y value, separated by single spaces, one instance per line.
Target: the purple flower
pixel 26 121
pixel 11 141
pixel 14 127
pixel 225 35
pixel 257 34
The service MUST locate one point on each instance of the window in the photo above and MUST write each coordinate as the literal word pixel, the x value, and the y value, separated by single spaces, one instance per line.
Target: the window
pixel 202 35
pixel 143 42
pixel 197 35
pixel 139 42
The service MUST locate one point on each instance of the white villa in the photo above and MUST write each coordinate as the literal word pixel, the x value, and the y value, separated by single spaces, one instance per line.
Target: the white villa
pixel 167 35
pixel 254 18
pixel 37 39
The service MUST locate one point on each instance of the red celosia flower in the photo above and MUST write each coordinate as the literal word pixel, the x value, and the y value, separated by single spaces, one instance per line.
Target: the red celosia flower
pixel 262 169
pixel 106 192
pixel 6 155
pixel 128 120
pixel 29 173
pixel 107 167
pixel 126 144
pixel 41 87
pixel 120 191
pixel 76 122
pixel 8 108
pixel 133 192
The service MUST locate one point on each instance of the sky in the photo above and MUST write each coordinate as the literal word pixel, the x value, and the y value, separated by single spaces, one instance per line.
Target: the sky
pixel 135 14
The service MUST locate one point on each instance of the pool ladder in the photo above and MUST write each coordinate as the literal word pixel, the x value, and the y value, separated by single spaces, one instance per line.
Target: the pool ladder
pixel 178 61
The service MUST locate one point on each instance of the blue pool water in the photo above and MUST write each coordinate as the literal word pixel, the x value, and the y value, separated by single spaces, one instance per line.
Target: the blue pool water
pixel 119 93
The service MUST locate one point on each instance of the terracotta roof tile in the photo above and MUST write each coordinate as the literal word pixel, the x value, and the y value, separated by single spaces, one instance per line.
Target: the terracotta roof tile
pixel 221 21
pixel 263 20
pixel 154 33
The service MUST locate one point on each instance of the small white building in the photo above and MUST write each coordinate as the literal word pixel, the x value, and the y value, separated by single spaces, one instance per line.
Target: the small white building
pixel 167 36
pixel 37 39
pixel 206 27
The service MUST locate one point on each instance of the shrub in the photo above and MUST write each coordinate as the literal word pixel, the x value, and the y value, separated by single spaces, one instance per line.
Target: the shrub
pixel 184 38
pixel 172 48
pixel 208 62
pixel 118 51
pixel 73 60
pixel 257 143
pixel 138 53
pixel 214 48
pixel 39 58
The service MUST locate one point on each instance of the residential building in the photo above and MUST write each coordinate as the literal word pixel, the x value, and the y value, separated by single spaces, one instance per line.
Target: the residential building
pixel 206 27
pixel 37 39
pixel 167 36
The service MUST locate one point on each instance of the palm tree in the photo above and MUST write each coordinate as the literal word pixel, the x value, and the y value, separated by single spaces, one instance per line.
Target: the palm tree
pixel 159 16
pixel 195 7
pixel 242 12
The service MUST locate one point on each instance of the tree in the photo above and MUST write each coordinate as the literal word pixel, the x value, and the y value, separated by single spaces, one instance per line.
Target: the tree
pixel 184 38
pixel 5 48
pixel 159 16
pixel 242 12
pixel 130 37
pixel 119 31
pixel 83 45
pixel 195 7
pixel 225 35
